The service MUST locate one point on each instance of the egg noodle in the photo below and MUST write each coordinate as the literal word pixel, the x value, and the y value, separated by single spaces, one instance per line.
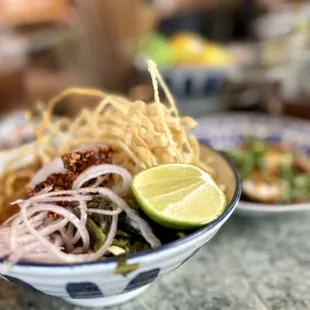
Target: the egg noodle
pixel 142 136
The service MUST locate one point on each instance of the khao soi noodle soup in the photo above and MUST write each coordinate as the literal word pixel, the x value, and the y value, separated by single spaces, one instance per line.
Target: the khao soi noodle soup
pixel 70 202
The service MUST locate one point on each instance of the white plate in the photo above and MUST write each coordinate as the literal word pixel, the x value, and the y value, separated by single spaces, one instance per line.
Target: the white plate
pixel 226 131
pixel 256 209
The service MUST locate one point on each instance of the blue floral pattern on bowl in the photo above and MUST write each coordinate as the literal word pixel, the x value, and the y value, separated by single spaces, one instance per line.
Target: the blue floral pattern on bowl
pixel 225 131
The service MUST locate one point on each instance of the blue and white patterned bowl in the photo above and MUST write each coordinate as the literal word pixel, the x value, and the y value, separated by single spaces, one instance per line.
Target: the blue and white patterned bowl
pixel 226 131
pixel 96 284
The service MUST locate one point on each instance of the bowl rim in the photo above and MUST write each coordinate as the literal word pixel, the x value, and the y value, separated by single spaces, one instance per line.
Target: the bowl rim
pixel 267 208
pixel 165 247
pixel 257 116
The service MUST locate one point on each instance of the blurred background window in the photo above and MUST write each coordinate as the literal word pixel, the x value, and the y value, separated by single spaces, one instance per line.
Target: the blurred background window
pixel 215 55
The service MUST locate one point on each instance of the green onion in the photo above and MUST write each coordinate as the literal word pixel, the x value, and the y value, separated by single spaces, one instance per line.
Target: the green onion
pixel 96 233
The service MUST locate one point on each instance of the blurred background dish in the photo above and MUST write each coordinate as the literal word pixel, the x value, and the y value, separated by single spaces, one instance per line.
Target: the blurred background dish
pixel 271 171
pixel 272 155
pixel 215 56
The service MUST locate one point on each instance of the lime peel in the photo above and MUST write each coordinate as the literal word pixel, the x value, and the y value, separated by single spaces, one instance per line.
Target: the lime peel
pixel 182 196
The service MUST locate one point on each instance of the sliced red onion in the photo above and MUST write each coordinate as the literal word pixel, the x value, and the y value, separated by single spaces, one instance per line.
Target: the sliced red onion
pixel 16 227
pixel 55 166
pixel 49 197
pixel 17 255
pixel 34 250
pixel 46 241
pixel 58 210
pixel 10 219
pixel 67 240
pixel 83 208
pixel 70 231
pixel 99 181
pixel 83 217
pixel 70 199
pixel 50 194
pixel 57 239
pixel 143 227
pixel 105 192
pixel 103 170
pixel 46 231
pixel 105 212
pixel 17 202
pixel 136 221
pixel 45 190
pixel 77 250
pixel 72 258
pixel 36 206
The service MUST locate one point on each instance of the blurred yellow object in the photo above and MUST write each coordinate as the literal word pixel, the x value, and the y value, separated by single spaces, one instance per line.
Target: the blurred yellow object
pixel 214 55
pixel 187 47
pixel 191 49
pixel 273 51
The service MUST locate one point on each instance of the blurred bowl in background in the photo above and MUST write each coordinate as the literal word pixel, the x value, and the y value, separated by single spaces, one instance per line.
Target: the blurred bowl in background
pixel 227 131
pixel 197 90
pixel 196 69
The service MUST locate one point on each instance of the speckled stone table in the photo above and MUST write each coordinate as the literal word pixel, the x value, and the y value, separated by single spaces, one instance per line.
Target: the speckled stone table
pixel 261 264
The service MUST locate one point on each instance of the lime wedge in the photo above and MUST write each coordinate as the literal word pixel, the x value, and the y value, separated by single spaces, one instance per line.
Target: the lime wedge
pixel 178 196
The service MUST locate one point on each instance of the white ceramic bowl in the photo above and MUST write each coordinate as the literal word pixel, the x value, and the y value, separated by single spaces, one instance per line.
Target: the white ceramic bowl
pixel 96 284
pixel 226 131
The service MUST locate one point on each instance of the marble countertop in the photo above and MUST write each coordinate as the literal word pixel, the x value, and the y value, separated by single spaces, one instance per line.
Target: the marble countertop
pixel 253 263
